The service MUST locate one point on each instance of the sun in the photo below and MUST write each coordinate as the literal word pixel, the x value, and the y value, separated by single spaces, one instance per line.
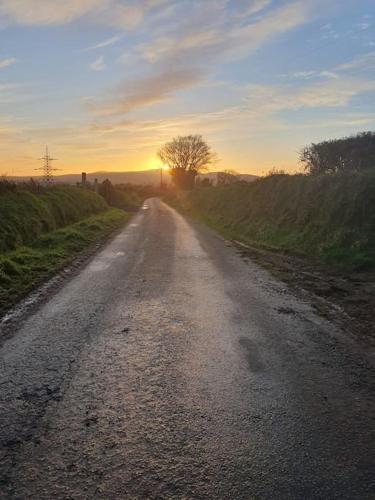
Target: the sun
pixel 154 163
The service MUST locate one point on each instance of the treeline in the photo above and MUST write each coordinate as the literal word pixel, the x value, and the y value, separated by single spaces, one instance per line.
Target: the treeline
pixel 347 155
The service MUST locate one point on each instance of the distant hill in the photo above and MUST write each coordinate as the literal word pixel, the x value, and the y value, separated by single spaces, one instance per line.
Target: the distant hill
pixel 142 177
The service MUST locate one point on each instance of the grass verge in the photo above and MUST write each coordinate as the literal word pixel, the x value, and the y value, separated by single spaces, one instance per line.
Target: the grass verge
pixel 28 266
pixel 26 215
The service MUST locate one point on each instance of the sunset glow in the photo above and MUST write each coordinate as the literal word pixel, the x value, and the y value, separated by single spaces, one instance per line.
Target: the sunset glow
pixel 106 82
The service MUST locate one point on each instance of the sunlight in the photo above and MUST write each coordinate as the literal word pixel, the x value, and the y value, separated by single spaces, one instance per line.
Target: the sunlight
pixel 187 249
pixel 154 163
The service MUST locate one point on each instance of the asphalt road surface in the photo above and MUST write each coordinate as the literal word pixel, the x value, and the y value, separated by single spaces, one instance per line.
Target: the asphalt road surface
pixel 170 368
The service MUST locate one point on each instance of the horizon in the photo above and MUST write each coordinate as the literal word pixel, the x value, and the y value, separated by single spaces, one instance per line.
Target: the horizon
pixel 155 171
pixel 106 82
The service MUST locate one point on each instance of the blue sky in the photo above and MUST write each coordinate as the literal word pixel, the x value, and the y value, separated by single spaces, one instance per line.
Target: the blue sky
pixel 106 82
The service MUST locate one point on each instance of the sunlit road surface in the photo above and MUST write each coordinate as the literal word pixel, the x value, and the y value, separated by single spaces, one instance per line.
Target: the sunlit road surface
pixel 171 368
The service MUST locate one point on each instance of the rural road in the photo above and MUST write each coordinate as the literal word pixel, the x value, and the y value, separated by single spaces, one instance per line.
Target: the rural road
pixel 170 368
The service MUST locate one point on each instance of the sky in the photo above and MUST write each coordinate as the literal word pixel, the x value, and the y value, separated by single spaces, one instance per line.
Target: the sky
pixel 106 82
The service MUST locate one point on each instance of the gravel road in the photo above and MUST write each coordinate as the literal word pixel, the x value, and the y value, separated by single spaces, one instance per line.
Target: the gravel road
pixel 170 368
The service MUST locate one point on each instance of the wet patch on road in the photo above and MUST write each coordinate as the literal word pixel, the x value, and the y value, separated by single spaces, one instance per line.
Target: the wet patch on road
pixel 252 354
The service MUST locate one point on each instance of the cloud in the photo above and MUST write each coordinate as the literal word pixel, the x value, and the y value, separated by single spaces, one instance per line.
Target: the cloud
pixel 329 74
pixel 129 14
pixel 362 62
pixel 211 35
pixel 98 64
pixel 206 121
pixel 304 74
pixel 120 13
pixel 330 93
pixel 105 43
pixel 328 32
pixel 44 12
pixel 312 74
pixel 148 90
pixel 183 57
pixel 4 63
pixel 246 9
pixel 258 113
pixel 336 93
pixel 249 38
pixel 363 26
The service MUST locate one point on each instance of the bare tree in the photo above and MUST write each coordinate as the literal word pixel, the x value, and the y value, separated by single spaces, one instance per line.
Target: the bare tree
pixel 186 156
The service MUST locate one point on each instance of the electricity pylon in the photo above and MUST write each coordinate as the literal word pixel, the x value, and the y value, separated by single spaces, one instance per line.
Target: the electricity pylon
pixel 47 168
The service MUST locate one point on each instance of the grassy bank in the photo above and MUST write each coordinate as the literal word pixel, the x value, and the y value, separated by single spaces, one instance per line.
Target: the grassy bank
pixel 25 215
pixel 328 218
pixel 27 266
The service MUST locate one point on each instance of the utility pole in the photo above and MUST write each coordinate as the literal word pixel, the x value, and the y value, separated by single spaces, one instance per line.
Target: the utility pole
pixel 47 168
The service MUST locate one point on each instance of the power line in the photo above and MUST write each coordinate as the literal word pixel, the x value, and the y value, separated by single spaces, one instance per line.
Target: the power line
pixel 47 168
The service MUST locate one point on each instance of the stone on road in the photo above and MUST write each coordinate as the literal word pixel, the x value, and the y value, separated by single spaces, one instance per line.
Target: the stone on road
pixel 170 368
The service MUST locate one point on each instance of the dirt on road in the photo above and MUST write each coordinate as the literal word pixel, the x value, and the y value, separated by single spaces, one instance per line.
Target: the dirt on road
pixel 347 298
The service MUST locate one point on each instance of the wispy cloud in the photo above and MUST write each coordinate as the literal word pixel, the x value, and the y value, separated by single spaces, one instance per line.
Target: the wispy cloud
pixel 147 91
pixel 303 74
pixel 363 26
pixel 105 43
pixel 29 12
pixel 329 74
pixel 258 113
pixel 326 94
pixel 184 57
pixel 363 62
pixel 312 74
pixel 360 64
pixel 120 13
pixel 98 64
pixel 223 38
pixel 246 9
pixel 4 63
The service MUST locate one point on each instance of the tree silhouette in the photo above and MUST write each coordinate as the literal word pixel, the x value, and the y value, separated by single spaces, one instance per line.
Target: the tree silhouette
pixel 350 154
pixel 186 157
